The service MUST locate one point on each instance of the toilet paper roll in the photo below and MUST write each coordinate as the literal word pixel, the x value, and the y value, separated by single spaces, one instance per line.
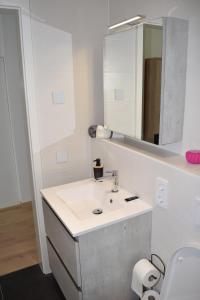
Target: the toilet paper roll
pixel 151 295
pixel 144 275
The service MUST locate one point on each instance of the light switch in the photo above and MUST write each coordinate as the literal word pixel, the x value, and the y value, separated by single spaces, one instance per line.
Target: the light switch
pixel 61 156
pixel 58 97
pixel 161 192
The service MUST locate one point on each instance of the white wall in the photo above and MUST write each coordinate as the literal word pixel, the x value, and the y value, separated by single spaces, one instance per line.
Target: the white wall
pixel 9 188
pixel 54 74
pixel 11 52
pixel 190 10
pixel 64 127
pixel 174 227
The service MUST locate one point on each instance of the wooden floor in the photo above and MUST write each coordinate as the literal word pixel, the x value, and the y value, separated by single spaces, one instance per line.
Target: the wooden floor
pixel 17 238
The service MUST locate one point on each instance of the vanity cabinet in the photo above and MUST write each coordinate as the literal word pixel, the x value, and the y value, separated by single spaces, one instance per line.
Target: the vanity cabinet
pixel 97 265
pixel 62 240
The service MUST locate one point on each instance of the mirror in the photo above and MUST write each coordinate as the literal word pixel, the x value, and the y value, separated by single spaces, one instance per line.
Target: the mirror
pixel 119 82
pixel 141 99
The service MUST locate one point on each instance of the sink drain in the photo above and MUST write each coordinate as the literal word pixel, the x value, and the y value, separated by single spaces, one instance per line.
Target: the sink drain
pixel 97 211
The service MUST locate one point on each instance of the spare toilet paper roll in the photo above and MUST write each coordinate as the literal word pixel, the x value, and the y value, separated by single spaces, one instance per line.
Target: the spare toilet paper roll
pixel 151 295
pixel 144 274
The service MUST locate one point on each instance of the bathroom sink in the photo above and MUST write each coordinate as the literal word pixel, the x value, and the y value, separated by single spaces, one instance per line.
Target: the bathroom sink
pixel 86 205
pixel 91 199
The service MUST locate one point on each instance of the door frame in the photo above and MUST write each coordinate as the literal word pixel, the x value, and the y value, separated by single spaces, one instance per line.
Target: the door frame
pixel 19 197
pixel 32 124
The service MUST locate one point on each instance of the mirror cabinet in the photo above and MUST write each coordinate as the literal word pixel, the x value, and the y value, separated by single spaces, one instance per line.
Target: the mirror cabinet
pixel 145 79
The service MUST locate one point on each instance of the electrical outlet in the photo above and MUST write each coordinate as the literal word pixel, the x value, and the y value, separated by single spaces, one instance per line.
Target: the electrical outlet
pixel 197 212
pixel 161 192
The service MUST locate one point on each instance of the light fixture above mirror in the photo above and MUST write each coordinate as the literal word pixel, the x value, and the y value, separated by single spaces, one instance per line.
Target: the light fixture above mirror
pixel 130 22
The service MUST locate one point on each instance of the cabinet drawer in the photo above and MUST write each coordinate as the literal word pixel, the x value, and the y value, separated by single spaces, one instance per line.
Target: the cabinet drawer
pixel 62 277
pixel 66 247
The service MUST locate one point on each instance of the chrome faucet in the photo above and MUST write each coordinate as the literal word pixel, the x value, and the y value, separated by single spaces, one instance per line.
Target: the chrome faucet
pixel 115 174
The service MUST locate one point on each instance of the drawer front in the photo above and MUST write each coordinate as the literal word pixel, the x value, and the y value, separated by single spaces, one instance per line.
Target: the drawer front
pixel 66 247
pixel 66 284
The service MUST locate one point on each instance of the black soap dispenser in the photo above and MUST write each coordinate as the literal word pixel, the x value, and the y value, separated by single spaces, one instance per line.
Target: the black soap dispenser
pixel 98 168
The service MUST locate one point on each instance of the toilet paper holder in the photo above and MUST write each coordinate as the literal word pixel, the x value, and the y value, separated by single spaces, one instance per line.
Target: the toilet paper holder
pixel 152 260
pixel 152 277
pixel 157 265
pixel 146 275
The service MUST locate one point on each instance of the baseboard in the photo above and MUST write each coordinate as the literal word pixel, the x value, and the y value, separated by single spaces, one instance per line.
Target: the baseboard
pixel 16 205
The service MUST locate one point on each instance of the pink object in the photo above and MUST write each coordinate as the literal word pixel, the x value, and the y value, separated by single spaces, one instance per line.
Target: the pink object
pixel 193 156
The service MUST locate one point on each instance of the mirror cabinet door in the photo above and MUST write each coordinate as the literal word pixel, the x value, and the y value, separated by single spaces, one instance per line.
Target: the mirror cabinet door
pixel 120 82
pixel 132 81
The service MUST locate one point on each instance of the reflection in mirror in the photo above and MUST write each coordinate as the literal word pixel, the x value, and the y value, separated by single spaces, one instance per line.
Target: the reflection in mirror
pixel 132 60
pixel 152 82
pixel 119 82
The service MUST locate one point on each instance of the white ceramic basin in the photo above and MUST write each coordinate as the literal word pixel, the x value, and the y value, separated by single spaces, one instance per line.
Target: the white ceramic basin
pixel 74 203
pixel 88 196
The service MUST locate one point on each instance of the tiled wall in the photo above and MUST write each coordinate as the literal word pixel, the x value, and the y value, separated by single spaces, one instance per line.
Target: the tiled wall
pixel 173 227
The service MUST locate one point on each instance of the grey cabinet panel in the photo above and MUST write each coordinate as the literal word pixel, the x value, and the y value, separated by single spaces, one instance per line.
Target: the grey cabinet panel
pixel 108 255
pixel 101 261
pixel 174 63
pixel 65 282
pixel 64 244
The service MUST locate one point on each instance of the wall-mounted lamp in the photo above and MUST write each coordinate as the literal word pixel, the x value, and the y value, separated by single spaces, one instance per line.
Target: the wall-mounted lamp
pixel 129 22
